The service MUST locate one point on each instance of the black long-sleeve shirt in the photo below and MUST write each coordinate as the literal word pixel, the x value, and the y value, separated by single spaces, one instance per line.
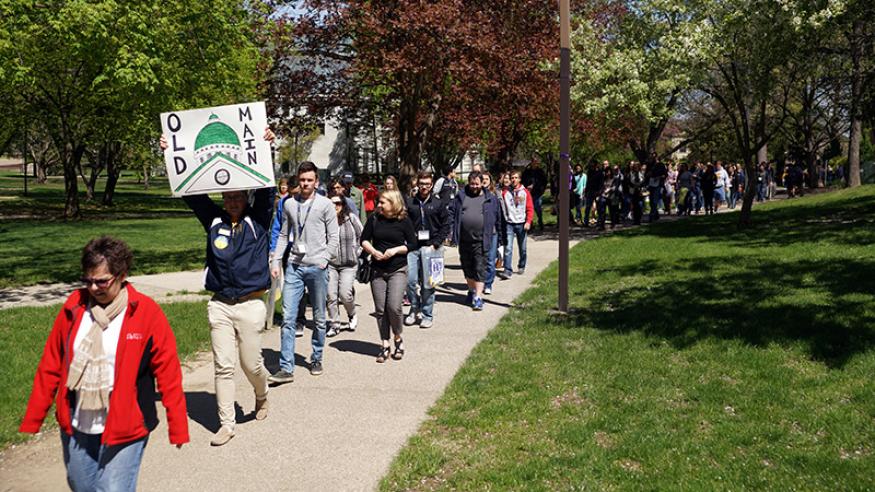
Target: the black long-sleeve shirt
pixel 385 234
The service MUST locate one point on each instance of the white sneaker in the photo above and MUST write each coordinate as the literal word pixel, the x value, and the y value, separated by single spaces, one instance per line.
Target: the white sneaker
pixel 411 319
pixel 487 290
pixel 353 322
pixel 220 438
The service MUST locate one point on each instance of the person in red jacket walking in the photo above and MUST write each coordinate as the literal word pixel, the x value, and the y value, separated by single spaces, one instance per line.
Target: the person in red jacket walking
pixel 107 348
pixel 518 207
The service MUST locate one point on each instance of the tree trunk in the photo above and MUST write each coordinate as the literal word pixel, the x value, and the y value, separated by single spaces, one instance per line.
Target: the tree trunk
pixel 856 128
pixel 750 189
pixel 113 171
pixel 71 183
pixel 763 154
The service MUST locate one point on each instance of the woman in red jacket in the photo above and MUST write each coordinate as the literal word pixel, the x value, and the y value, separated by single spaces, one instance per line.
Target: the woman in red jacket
pixel 106 349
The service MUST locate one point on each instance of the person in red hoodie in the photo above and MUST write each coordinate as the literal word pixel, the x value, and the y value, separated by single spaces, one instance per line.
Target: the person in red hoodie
pixel 519 210
pixel 108 346
pixel 370 193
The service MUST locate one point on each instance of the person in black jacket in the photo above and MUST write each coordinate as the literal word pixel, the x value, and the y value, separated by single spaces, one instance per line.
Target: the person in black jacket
pixel 237 273
pixel 429 217
pixel 595 182
pixel 535 180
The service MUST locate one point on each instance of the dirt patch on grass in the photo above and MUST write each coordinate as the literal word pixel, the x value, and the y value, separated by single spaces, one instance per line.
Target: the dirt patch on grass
pixel 570 397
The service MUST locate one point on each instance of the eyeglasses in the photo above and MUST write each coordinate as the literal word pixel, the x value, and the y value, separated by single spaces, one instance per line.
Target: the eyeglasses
pixel 101 283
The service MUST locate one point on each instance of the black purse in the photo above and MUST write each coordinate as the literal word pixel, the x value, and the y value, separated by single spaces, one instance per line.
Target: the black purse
pixel 364 272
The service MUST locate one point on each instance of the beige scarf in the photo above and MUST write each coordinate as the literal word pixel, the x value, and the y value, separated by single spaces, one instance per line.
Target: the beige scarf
pixel 89 373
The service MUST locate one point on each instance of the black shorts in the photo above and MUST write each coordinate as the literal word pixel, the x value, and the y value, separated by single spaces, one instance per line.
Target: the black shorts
pixel 473 259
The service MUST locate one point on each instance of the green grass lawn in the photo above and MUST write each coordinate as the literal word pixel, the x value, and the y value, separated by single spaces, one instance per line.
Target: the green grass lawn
pixel 23 333
pixel 696 357
pixel 162 231
pixel 46 201
pixel 43 252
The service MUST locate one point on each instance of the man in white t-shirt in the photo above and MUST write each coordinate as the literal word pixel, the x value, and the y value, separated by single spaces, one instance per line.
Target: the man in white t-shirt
pixel 721 187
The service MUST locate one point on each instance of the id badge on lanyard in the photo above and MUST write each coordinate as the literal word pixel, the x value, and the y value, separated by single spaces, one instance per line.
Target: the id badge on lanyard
pixel 423 234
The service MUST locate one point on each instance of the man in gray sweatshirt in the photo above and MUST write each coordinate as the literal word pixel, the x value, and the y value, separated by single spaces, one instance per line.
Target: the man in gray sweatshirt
pixel 310 224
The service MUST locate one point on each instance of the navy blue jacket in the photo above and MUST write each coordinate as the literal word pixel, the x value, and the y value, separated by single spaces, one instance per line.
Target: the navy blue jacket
pixel 237 256
pixel 493 219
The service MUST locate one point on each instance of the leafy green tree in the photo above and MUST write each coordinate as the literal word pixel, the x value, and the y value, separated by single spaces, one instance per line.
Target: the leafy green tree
pixel 95 74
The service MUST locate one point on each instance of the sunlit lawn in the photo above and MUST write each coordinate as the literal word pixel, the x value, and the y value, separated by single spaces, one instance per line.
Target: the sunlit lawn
pixel 696 357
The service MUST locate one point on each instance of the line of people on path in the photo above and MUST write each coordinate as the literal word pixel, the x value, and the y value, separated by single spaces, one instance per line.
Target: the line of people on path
pixel 625 194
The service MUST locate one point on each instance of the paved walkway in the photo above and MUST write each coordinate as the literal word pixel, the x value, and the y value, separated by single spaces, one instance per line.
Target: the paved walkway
pixel 338 431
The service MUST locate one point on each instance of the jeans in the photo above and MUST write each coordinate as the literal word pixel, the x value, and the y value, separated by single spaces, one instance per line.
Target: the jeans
pixel 491 256
pixel 537 202
pixel 315 280
pixel 734 195
pixel 341 290
pixel 655 198
pixel 589 202
pixel 519 232
pixel 421 301
pixel 92 466
pixel 387 288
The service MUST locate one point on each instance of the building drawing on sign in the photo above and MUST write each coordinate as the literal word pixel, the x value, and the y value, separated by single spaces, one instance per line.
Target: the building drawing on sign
pixel 218 153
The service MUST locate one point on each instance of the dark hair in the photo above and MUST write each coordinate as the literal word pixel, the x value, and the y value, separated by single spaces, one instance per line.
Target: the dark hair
pixel 344 205
pixel 308 167
pixel 424 175
pixel 475 175
pixel 115 252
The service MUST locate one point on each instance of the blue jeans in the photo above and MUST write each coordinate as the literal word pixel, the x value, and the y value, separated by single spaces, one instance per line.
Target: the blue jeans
pixel 538 204
pixel 655 199
pixel 315 280
pixel 423 300
pixel 92 466
pixel 517 231
pixel 491 255
pixel 588 204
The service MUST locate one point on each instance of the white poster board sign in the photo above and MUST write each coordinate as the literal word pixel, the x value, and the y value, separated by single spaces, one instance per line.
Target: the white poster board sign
pixel 217 149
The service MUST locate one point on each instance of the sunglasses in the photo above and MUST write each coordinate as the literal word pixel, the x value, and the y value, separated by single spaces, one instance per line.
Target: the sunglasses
pixel 337 202
pixel 101 283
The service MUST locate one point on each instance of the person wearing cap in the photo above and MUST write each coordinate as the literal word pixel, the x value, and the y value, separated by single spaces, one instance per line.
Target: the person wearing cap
pixel 237 273
pixel 355 194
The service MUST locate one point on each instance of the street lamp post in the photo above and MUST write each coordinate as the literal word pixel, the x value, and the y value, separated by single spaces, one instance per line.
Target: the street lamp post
pixel 564 147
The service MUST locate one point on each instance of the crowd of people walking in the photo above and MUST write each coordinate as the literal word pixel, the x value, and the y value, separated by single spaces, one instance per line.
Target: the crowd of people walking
pixel 625 194
pixel 314 242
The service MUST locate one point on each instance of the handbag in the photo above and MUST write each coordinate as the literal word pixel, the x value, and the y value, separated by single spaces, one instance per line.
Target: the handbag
pixel 364 271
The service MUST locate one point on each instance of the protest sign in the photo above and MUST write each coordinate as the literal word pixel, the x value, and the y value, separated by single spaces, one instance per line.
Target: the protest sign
pixel 217 149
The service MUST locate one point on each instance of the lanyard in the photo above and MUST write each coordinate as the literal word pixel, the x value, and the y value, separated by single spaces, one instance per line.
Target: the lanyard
pixel 302 223
pixel 422 212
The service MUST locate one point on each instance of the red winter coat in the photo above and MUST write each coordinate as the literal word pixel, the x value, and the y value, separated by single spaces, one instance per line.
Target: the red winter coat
pixel 146 351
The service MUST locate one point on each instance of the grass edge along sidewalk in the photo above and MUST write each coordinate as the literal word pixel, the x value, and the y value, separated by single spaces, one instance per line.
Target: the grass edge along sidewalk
pixel 696 357
pixel 23 333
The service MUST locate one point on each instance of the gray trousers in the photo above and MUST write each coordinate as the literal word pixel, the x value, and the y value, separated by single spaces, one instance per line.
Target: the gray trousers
pixel 388 290
pixel 341 282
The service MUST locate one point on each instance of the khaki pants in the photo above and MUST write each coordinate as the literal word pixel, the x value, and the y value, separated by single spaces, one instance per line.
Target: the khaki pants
pixel 236 328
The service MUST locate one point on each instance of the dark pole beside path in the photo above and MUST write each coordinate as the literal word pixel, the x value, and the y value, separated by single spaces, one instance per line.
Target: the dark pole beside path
pixel 564 147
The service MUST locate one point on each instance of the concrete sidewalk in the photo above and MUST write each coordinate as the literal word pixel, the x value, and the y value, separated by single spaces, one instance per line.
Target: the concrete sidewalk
pixel 338 431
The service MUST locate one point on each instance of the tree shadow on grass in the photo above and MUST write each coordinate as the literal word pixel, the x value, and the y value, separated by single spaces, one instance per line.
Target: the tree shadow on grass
pixel 826 306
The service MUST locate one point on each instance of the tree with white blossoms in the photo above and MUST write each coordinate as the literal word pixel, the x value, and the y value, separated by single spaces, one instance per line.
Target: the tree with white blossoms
pixel 634 67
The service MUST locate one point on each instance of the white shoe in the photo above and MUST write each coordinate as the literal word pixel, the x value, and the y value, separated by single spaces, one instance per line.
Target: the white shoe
pixel 353 322
pixel 487 291
pixel 411 319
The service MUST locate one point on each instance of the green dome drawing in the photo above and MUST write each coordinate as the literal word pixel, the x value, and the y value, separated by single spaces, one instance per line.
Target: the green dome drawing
pixel 214 133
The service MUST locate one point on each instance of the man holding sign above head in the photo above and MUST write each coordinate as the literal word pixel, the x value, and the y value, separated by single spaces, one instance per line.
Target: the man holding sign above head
pixel 237 248
pixel 310 225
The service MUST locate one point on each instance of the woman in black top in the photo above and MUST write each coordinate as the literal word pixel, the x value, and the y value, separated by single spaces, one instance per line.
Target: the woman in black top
pixel 387 237
pixel 709 182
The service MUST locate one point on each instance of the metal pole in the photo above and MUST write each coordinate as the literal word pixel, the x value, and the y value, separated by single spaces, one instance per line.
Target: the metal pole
pixel 564 147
